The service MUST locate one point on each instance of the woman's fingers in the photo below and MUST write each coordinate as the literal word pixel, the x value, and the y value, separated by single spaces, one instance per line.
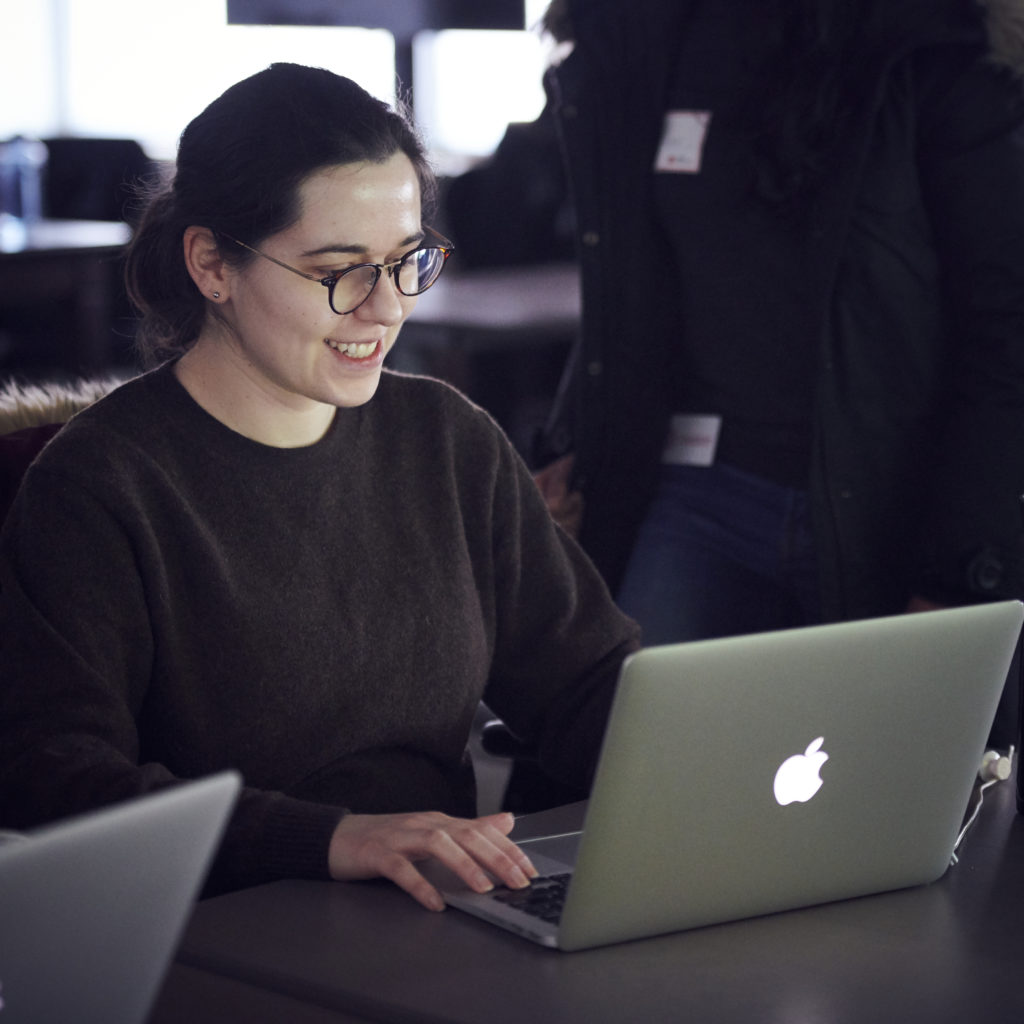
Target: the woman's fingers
pixel 477 850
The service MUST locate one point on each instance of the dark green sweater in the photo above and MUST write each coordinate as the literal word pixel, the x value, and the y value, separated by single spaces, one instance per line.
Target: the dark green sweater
pixel 177 599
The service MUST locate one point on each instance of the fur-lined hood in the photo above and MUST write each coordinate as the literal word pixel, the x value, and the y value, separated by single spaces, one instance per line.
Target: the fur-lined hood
pixel 34 405
pixel 1004 20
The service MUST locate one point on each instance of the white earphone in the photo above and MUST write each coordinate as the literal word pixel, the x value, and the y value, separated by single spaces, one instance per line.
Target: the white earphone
pixel 996 767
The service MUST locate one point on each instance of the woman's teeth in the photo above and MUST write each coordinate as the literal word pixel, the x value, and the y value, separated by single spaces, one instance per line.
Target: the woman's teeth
pixel 353 351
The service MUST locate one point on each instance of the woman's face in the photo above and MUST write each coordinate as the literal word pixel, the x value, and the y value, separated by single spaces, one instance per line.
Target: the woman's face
pixel 291 345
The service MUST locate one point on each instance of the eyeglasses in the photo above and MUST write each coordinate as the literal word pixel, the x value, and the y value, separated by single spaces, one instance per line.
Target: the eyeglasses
pixel 348 289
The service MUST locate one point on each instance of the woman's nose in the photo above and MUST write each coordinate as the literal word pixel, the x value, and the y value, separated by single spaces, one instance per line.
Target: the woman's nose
pixel 386 304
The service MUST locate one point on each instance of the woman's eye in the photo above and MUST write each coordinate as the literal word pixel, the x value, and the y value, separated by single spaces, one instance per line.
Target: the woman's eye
pixel 336 272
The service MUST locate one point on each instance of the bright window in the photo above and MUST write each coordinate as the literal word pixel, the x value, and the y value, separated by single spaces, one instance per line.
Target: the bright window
pixel 143 68
pixel 471 84
pixel 146 69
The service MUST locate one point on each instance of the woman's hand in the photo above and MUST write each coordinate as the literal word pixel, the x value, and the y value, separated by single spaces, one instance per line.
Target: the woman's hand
pixel 389 845
pixel 565 506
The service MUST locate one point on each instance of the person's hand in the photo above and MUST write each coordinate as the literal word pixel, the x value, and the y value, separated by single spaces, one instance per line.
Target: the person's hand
pixel 389 845
pixel 565 506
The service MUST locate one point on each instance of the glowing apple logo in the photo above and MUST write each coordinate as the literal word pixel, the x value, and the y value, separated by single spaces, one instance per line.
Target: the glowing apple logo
pixel 797 779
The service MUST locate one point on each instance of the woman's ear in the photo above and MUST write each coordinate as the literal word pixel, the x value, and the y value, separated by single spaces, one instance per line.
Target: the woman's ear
pixel 205 264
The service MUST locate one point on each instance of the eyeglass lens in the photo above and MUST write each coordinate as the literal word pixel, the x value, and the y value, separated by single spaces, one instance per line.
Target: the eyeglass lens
pixel 416 272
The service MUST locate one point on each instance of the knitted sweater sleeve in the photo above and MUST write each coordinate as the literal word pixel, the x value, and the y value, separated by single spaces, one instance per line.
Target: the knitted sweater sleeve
pixel 73 668
pixel 559 638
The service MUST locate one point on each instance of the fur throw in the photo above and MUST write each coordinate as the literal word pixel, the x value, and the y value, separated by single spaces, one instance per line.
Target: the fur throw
pixel 1004 20
pixel 34 405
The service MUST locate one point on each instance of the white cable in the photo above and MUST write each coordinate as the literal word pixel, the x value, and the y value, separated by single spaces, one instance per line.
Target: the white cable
pixel 994 769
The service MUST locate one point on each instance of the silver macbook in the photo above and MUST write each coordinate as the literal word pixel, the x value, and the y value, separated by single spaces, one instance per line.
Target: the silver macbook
pixel 91 909
pixel 762 773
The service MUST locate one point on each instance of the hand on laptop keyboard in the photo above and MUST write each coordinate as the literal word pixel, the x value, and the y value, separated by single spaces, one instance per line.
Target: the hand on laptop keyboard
pixel 543 898
pixel 389 845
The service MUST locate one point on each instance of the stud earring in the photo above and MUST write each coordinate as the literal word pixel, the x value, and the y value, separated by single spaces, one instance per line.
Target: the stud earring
pixel 216 295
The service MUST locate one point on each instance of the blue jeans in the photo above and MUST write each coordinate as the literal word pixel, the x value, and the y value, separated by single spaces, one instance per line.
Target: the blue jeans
pixel 721 552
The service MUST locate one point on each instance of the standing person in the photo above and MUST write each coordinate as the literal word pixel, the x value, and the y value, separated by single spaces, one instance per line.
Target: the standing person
pixel 271 554
pixel 798 394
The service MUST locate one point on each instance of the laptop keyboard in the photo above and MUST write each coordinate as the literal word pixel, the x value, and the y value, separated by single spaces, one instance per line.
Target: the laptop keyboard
pixel 543 898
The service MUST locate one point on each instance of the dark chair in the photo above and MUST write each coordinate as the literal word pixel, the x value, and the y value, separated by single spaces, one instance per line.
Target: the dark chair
pixel 94 179
pixel 529 788
pixel 513 209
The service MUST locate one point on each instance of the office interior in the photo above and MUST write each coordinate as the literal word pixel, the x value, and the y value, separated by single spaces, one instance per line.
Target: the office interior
pixel 77 150
pixel 498 325
pixel 80 134
pixel 82 139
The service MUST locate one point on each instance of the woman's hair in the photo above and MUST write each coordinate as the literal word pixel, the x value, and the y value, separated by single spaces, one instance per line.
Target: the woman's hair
pixel 239 167
pixel 804 93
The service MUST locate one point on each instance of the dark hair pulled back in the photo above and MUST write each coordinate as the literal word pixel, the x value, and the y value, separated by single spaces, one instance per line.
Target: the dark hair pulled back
pixel 239 167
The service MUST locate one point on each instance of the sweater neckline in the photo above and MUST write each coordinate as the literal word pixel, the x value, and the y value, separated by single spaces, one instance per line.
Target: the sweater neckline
pixel 189 418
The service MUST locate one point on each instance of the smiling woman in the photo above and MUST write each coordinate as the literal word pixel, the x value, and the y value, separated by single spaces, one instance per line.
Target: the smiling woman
pixel 271 347
pixel 261 350
pixel 269 553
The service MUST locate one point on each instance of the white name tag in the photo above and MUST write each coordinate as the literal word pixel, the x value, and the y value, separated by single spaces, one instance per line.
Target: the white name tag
pixel 682 141
pixel 692 440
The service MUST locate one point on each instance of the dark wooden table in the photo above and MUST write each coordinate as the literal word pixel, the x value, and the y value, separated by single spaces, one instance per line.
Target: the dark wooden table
pixel 316 952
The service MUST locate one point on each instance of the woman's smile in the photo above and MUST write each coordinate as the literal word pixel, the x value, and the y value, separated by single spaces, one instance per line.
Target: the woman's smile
pixel 370 352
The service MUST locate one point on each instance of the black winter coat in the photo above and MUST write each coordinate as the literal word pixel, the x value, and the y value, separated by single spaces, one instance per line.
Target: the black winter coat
pixel 918 450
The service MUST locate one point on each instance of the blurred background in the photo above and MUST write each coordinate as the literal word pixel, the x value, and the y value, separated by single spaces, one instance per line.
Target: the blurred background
pixel 94 95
